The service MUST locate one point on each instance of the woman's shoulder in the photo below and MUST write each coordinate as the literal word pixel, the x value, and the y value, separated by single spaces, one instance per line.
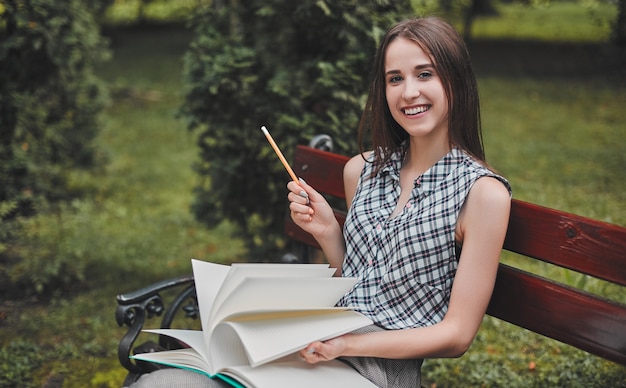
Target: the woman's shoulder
pixel 487 204
pixel 352 172
pixel 479 170
pixel 355 164
pixel 490 189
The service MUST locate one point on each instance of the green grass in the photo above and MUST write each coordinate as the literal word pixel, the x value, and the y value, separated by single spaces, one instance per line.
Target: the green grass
pixel 554 21
pixel 564 143
pixel 126 12
pixel 553 124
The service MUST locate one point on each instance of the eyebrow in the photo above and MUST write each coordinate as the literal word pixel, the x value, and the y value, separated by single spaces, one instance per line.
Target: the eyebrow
pixel 418 67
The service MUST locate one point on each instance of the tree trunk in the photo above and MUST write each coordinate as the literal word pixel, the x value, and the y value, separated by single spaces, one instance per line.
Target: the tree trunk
pixel 477 8
pixel 619 29
pixel 235 22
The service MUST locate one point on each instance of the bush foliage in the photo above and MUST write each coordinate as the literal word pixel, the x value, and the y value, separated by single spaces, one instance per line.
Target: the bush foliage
pixel 50 102
pixel 301 75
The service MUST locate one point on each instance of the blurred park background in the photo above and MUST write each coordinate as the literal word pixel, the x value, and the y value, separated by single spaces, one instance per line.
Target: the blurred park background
pixel 130 143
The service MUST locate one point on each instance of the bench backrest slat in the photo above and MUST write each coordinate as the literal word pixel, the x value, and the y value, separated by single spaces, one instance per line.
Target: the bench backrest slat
pixel 587 322
pixel 591 247
pixel 570 241
pixel 320 169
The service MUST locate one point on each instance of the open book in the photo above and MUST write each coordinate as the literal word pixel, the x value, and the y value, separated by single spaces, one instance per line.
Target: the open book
pixel 256 317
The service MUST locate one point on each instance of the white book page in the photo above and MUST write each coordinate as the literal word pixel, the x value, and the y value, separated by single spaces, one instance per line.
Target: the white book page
pixel 266 340
pixel 330 374
pixel 239 271
pixel 279 266
pixel 271 293
pixel 229 351
pixel 193 338
pixel 208 278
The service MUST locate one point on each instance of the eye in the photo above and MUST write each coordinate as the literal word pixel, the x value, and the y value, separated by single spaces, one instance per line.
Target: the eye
pixel 394 79
pixel 425 75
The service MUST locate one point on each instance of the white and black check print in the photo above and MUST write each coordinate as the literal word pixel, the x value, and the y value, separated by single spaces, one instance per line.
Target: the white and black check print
pixel 406 264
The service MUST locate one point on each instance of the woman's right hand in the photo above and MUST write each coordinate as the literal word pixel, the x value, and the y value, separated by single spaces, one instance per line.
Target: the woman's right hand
pixel 310 210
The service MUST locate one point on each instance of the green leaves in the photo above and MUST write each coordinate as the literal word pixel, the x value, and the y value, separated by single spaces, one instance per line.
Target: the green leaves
pixel 50 103
pixel 17 361
pixel 301 68
pixel 50 99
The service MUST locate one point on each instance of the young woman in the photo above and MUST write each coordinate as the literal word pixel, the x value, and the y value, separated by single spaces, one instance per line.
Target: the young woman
pixel 426 220
pixel 427 216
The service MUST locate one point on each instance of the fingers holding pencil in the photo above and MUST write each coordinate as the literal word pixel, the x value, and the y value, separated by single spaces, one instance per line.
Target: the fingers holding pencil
pixel 301 183
pixel 299 201
pixel 300 196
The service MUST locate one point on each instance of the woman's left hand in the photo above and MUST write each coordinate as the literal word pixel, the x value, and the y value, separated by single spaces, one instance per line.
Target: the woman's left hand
pixel 324 351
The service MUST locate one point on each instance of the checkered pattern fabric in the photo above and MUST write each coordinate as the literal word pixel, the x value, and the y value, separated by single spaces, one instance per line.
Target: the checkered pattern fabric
pixel 387 373
pixel 406 264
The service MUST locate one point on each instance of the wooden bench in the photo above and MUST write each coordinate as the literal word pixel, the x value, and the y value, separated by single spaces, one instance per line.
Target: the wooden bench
pixel 590 247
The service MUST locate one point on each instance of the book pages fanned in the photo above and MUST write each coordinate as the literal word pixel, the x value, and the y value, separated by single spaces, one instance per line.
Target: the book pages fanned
pixel 256 317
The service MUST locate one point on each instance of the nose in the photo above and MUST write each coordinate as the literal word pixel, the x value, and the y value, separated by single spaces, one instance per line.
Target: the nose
pixel 411 89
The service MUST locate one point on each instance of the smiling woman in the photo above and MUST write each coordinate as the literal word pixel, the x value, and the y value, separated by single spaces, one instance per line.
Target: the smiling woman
pixel 430 296
pixel 416 96
pixel 413 201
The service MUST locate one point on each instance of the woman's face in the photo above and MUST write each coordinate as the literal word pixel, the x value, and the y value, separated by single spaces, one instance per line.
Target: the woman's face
pixel 414 91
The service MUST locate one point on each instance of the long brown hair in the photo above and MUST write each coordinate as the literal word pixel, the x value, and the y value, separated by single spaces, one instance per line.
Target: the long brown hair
pixel 452 62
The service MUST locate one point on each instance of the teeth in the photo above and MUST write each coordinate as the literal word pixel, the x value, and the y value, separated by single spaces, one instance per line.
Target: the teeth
pixel 414 111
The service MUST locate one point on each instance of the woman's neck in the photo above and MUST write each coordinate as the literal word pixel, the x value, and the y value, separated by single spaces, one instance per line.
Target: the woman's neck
pixel 422 155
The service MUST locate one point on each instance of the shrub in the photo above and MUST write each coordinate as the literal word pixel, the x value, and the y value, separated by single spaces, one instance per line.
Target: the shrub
pixel 49 97
pixel 17 361
pixel 50 103
pixel 301 68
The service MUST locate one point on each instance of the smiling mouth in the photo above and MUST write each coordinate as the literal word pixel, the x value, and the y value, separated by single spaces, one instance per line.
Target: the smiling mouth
pixel 416 110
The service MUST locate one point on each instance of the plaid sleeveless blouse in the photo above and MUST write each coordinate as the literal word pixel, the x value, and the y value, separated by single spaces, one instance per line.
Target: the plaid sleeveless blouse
pixel 405 265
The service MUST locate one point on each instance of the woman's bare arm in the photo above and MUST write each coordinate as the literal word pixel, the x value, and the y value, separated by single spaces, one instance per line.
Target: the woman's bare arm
pixel 482 226
pixel 317 217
